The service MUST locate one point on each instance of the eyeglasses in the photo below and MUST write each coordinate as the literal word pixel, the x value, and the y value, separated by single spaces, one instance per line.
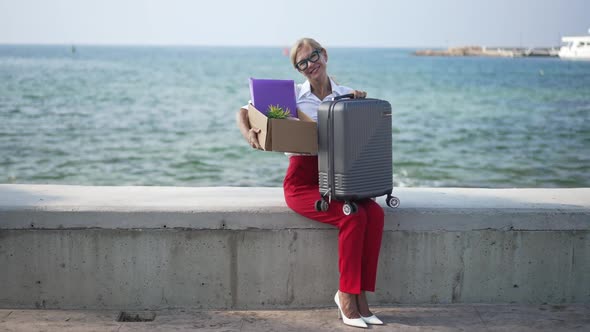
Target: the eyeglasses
pixel 313 58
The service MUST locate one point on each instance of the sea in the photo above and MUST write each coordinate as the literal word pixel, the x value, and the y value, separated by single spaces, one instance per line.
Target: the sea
pixel 166 116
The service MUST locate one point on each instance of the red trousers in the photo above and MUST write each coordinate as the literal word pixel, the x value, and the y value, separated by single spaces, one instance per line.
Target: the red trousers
pixel 359 238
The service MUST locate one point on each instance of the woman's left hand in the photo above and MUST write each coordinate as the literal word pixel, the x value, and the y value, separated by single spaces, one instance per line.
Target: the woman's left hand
pixel 359 94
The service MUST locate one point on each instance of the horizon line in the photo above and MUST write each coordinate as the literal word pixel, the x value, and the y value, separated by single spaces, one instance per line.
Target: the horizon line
pixel 2 43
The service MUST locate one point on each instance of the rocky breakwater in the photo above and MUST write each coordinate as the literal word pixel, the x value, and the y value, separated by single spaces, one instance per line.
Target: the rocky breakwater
pixel 485 51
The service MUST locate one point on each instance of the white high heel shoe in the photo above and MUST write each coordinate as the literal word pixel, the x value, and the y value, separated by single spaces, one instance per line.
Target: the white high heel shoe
pixel 356 322
pixel 372 320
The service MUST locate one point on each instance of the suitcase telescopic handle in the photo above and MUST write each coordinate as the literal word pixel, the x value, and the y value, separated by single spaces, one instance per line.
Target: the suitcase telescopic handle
pixel 348 95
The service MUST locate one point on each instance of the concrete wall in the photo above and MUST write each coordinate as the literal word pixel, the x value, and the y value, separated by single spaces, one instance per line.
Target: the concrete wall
pixel 161 247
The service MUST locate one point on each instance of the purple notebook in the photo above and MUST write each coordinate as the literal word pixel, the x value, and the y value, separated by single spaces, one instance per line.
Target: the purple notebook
pixel 266 92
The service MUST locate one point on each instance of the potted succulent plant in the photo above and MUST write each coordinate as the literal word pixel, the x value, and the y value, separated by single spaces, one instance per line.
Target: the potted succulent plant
pixel 277 112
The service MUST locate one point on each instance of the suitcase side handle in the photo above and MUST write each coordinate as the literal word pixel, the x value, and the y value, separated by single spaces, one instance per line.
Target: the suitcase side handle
pixel 348 95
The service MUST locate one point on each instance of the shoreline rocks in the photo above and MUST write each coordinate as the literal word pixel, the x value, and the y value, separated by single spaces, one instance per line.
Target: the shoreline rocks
pixel 491 52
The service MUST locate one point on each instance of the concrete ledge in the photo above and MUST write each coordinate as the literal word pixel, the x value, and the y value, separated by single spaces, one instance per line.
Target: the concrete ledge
pixel 238 208
pixel 161 247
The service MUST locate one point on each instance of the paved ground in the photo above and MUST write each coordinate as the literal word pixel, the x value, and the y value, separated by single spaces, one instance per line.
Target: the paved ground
pixel 400 318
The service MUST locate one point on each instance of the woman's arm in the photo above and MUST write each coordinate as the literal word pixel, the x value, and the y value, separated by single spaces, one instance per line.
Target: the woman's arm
pixel 250 134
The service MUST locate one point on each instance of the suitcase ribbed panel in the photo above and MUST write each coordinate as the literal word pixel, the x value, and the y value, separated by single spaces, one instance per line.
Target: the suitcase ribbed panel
pixel 324 184
pixel 361 144
pixel 366 144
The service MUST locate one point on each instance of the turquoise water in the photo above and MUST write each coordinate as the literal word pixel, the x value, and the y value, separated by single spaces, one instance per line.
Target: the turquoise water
pixel 166 116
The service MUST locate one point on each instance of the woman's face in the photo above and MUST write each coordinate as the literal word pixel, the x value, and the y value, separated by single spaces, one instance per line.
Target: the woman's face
pixel 313 71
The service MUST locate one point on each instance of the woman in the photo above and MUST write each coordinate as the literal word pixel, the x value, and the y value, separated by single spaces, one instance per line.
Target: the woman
pixel 359 238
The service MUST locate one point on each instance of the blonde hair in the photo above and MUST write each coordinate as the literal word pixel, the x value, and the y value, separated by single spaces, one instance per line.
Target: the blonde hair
pixel 303 41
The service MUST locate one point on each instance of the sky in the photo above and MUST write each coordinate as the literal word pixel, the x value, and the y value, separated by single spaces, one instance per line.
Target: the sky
pixel 360 23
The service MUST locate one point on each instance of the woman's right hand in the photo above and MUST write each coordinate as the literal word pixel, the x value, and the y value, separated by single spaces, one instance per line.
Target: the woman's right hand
pixel 250 134
pixel 253 138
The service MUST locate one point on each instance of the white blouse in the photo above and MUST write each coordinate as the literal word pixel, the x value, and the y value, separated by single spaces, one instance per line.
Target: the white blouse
pixel 309 103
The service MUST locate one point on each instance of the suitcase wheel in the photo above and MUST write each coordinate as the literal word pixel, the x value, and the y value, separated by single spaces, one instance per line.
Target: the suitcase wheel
pixel 392 201
pixel 349 208
pixel 321 205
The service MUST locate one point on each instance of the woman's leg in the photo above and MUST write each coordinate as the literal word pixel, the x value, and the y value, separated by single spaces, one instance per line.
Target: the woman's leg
pixel 301 192
pixel 371 249
pixel 363 305
pixel 350 244
pixel 372 244
pixel 351 238
pixel 351 235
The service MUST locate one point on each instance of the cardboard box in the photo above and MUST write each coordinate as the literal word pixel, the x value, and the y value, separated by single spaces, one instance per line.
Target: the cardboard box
pixel 284 135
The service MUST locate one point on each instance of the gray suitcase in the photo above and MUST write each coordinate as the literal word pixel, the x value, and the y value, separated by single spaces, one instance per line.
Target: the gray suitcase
pixel 354 152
